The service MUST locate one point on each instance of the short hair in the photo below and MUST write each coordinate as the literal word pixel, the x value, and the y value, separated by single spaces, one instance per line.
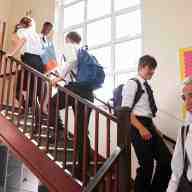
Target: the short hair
pixel 47 24
pixel 16 28
pixel 25 22
pixel 147 60
pixel 74 37
pixel 187 81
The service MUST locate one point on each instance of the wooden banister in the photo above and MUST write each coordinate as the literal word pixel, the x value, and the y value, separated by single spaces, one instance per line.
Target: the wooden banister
pixel 103 170
pixel 117 167
pixel 2 33
pixel 124 142
pixel 54 177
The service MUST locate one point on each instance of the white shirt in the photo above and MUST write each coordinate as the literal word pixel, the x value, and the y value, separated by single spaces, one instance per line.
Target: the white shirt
pixel 33 41
pixel 44 41
pixel 70 54
pixel 142 107
pixel 177 160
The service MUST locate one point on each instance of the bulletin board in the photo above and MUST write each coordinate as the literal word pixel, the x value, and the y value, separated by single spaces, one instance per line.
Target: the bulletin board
pixel 185 56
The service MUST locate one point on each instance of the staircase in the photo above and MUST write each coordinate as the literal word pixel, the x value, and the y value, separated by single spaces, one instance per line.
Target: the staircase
pixel 52 154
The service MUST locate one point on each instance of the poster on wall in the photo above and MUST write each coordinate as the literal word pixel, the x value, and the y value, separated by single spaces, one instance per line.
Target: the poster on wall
pixel 185 57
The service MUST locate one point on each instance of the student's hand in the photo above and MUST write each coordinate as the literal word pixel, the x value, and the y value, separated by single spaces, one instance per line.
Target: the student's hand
pixel 8 55
pixel 55 81
pixel 145 134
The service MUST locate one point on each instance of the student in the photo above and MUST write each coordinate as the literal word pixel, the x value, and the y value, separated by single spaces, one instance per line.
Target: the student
pixel 71 47
pixel 145 137
pixel 29 45
pixel 45 32
pixel 181 179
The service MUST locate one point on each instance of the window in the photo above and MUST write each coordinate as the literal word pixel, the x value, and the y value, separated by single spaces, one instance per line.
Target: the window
pixel 74 14
pixel 98 32
pixel 127 54
pixel 95 9
pixel 104 56
pixel 128 24
pixel 122 4
pixel 113 33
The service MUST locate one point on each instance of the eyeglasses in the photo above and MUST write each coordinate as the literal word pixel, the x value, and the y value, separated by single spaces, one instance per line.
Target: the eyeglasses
pixel 186 96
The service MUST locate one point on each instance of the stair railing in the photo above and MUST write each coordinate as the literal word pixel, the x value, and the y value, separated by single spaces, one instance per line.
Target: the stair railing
pixel 2 33
pixel 110 164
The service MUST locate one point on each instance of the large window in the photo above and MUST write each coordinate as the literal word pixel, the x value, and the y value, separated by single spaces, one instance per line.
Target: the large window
pixel 112 29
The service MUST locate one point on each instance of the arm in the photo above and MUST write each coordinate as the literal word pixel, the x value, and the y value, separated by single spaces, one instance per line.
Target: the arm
pixel 145 134
pixel 71 59
pixel 128 94
pixel 18 44
pixel 18 40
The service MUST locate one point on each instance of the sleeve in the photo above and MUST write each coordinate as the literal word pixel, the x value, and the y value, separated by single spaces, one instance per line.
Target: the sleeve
pixel 70 54
pixel 21 34
pixel 176 165
pixel 66 68
pixel 128 93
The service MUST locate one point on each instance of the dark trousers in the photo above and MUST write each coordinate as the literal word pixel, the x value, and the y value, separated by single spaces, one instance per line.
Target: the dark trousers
pixel 35 62
pixel 84 93
pixel 147 152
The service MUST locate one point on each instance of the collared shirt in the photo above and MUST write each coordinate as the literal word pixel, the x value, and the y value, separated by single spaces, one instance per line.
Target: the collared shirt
pixel 70 55
pixel 142 108
pixel 177 160
pixel 45 42
pixel 33 42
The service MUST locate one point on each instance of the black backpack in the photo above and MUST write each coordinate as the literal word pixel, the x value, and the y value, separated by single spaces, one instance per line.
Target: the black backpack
pixel 117 95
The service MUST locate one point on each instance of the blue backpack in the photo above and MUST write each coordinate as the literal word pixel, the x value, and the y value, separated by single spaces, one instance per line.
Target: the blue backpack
pixel 90 73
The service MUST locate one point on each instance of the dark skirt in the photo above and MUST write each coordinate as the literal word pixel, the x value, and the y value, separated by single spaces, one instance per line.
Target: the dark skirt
pixel 35 62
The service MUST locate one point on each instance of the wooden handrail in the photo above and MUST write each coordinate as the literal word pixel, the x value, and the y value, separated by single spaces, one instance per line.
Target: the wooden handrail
pixel 103 170
pixel 35 160
pixel 121 121
pixel 2 32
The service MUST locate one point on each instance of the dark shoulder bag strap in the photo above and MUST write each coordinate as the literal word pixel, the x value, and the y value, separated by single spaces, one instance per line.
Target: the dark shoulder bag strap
pixel 184 132
pixel 138 93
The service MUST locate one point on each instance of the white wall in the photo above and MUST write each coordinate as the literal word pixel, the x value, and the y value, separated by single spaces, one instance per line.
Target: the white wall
pixel 167 27
pixel 5 9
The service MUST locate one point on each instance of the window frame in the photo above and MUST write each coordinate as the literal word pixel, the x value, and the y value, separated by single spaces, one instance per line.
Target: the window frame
pixel 113 40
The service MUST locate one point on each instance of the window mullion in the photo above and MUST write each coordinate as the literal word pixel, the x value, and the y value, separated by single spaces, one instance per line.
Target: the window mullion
pixel 85 24
pixel 113 35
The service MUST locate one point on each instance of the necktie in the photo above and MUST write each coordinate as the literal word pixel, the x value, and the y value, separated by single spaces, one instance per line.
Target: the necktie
pixel 152 103
pixel 44 39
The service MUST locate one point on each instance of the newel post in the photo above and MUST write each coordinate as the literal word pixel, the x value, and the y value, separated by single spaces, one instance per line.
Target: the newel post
pixel 123 141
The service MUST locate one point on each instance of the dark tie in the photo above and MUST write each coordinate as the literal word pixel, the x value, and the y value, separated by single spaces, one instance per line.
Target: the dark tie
pixel 44 39
pixel 152 103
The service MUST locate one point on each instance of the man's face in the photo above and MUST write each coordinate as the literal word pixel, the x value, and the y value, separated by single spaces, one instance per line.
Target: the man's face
pixel 47 30
pixel 146 72
pixel 187 97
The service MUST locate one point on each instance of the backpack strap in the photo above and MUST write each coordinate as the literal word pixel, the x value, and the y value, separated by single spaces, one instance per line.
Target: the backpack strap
pixel 138 93
pixel 184 133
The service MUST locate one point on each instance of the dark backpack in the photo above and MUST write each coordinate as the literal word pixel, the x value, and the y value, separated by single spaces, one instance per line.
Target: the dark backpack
pixel 117 95
pixel 89 72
